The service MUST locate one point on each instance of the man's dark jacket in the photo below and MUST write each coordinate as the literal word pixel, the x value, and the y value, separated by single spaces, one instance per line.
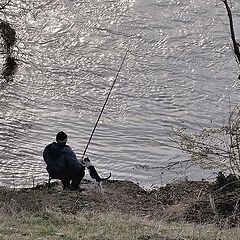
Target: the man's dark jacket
pixel 61 161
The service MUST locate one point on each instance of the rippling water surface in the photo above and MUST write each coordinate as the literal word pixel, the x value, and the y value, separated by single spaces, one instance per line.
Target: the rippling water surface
pixel 180 71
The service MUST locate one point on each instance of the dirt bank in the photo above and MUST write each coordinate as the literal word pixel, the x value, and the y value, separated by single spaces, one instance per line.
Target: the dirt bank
pixel 194 201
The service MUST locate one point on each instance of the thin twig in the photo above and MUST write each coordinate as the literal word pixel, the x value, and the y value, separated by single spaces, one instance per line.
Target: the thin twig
pixel 5 5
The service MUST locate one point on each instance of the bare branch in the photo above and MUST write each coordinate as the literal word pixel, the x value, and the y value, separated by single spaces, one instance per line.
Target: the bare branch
pixel 235 43
pixel 5 5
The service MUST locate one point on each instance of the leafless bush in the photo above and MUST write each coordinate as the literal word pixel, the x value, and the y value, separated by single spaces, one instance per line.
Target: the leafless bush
pixel 213 148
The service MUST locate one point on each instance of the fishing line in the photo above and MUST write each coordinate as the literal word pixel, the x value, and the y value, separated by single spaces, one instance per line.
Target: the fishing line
pixel 110 90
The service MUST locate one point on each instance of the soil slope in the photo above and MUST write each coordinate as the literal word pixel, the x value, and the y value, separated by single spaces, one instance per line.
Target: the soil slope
pixel 194 201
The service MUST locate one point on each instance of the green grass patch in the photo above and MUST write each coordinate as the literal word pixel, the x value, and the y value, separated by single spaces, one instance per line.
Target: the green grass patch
pixel 112 226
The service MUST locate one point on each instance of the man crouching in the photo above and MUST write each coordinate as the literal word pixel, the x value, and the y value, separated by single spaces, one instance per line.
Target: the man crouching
pixel 63 164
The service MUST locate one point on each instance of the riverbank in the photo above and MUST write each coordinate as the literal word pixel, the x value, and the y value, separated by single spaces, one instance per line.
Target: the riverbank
pixel 123 210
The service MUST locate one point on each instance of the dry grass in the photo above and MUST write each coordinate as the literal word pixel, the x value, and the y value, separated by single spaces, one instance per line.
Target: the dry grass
pixel 111 226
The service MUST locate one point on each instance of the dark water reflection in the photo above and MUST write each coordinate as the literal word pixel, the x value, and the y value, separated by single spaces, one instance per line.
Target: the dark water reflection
pixel 180 70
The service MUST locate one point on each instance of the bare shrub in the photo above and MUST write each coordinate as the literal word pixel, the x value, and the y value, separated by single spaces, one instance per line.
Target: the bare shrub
pixel 213 148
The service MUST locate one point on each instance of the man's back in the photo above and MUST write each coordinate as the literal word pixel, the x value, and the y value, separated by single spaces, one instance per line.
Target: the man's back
pixel 60 160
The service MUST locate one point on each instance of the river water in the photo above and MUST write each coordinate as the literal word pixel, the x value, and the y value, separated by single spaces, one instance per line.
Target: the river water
pixel 180 71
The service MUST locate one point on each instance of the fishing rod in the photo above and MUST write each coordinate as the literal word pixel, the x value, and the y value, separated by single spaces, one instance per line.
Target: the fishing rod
pixel 110 90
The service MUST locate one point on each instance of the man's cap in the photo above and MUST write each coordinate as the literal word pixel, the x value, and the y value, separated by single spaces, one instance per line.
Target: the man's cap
pixel 61 136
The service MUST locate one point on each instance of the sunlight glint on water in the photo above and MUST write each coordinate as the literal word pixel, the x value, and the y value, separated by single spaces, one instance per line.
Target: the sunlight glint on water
pixel 180 70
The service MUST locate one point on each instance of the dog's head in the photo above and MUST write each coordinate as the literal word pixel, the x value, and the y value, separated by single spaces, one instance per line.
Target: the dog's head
pixel 86 162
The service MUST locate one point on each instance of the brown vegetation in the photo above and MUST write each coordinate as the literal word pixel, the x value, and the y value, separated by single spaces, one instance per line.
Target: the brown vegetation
pixel 192 201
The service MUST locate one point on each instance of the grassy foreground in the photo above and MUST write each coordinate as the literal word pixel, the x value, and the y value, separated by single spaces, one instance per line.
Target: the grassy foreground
pixel 110 226
pixel 122 211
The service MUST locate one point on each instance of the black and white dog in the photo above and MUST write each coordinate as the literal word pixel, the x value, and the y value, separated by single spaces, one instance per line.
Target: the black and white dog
pixel 93 172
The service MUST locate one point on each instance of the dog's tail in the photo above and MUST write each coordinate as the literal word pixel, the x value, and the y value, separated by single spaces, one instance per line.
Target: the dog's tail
pixel 106 178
